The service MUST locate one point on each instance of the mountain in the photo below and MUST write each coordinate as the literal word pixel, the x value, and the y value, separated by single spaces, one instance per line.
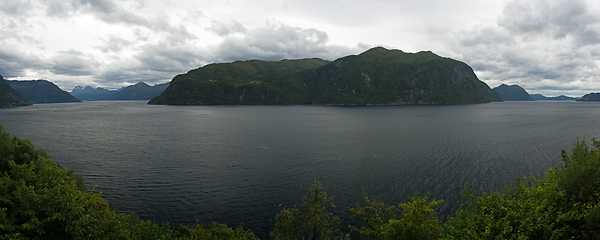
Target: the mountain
pixel 41 91
pixel 542 97
pixel 378 76
pixel 513 93
pixel 138 91
pixel 89 94
pixel 9 97
pixel 591 97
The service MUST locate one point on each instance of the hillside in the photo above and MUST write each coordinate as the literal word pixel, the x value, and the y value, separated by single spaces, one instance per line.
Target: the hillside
pixel 542 97
pixel 9 97
pixel 513 93
pixel 591 97
pixel 377 76
pixel 41 91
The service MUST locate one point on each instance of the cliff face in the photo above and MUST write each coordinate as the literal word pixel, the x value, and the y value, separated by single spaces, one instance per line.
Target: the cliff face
pixel 9 97
pixel 513 93
pixel 377 76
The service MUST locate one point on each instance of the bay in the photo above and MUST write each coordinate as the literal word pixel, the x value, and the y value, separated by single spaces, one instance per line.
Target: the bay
pixel 243 164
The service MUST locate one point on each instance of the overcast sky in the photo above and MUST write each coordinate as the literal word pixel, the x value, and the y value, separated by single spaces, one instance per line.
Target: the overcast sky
pixel 545 46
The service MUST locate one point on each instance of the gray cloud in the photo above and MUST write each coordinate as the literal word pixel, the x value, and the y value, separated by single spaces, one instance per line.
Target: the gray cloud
pixel 15 7
pixel 540 45
pixel 557 19
pixel 73 63
pixel 277 41
pixel 114 44
pixel 226 29
pixel 14 63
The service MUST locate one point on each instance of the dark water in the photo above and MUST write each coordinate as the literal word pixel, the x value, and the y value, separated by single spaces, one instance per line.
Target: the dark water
pixel 234 164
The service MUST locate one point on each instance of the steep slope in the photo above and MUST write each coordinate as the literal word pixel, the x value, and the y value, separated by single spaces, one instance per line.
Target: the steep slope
pixel 513 93
pixel 377 76
pixel 392 77
pixel 241 82
pixel 590 97
pixel 41 91
pixel 9 97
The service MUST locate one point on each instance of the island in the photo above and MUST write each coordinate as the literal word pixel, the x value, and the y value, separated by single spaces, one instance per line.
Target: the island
pixel 513 93
pixel 376 77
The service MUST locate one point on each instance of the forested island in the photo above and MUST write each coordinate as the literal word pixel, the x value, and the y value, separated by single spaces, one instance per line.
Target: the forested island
pixel 376 77
pixel 513 93
pixel 39 199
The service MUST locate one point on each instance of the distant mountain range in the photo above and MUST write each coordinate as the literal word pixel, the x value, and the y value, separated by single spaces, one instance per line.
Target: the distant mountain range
pixel 139 91
pixel 513 93
pixel 542 97
pixel 9 97
pixel 41 91
pixel 376 77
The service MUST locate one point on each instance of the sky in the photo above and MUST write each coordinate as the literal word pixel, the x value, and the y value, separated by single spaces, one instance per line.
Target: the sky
pixel 551 47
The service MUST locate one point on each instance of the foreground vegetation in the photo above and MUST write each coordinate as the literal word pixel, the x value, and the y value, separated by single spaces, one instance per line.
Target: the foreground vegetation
pixel 38 199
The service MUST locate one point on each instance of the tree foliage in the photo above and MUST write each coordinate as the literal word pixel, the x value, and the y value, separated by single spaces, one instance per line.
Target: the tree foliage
pixel 316 221
pixel 40 200
pixel 564 204
pixel 416 220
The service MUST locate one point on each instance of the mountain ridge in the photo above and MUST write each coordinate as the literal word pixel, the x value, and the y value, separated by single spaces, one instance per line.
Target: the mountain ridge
pixel 375 77
pixel 41 91
pixel 138 91
pixel 557 98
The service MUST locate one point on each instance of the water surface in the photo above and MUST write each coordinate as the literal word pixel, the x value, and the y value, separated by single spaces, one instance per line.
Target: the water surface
pixel 234 164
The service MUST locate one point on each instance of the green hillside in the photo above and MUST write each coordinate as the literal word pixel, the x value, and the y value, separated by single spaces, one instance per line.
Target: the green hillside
pixel 42 91
pixel 241 82
pixel 392 77
pixel 590 97
pixel 9 97
pixel 378 76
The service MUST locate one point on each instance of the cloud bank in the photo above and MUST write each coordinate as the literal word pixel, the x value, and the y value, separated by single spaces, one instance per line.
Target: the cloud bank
pixel 550 47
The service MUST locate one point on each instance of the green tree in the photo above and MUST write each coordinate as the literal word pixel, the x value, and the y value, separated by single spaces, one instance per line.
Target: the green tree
pixel 565 204
pixel 39 200
pixel 416 220
pixel 316 221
